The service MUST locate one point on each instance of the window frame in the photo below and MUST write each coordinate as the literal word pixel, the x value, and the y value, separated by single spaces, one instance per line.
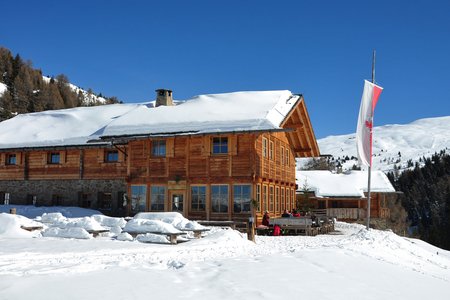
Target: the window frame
pixel 264 147
pixel 271 198
pixel 109 159
pixel 220 146
pixel 158 194
pixel 258 197
pixel 271 153
pixel 265 197
pixel 159 148
pixel 197 207
pixel 50 157
pixel 221 204
pixel 137 203
pixel 8 158
pixel 105 198
pixel 244 205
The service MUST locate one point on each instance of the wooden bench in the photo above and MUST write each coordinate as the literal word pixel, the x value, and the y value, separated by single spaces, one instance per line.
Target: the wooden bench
pixel 171 236
pixel 296 226
pixel 32 228
pixel 95 233
pixel 197 232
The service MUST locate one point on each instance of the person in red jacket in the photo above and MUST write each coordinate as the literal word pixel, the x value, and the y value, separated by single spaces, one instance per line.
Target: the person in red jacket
pixel 266 218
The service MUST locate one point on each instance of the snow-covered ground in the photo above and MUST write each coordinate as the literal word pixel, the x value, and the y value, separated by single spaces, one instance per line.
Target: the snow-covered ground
pixel 356 264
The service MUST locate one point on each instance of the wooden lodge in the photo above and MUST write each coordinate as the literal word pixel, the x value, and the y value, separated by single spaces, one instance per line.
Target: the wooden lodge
pixel 344 195
pixel 213 157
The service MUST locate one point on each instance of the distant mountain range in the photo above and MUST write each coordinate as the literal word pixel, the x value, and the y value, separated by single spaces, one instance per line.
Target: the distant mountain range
pixel 395 147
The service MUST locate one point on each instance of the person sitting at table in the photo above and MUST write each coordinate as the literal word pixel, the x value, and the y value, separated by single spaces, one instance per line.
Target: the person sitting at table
pixel 266 218
pixel 286 214
pixel 295 213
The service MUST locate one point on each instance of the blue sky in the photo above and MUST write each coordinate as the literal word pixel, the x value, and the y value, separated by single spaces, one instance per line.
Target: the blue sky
pixel 321 49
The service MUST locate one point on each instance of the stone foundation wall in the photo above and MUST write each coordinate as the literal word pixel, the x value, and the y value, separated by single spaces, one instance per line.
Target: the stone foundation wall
pixel 103 195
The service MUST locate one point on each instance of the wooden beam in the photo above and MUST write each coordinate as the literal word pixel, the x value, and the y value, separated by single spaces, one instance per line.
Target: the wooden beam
pixel 302 150
pixel 294 126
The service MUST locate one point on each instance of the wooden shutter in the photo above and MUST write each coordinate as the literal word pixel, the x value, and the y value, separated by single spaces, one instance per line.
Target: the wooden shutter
pixel 206 148
pixel 170 147
pixel 232 144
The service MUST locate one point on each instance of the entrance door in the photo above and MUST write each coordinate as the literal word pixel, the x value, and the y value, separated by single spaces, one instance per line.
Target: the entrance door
pixel 177 202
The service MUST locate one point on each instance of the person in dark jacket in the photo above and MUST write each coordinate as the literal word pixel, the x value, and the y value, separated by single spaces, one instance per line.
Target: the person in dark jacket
pixel 266 218
pixel 286 214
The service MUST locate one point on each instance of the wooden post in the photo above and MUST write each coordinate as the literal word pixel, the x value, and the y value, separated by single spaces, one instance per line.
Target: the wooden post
pixel 12 211
pixel 251 229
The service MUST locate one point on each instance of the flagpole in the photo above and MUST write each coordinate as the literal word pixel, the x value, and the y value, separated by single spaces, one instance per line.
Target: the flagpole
pixel 370 163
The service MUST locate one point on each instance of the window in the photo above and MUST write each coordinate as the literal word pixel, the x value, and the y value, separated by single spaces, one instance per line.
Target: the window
pixel 282 155
pixel 53 158
pixel 159 148
pixel 294 204
pixel 287 157
pixel 288 200
pixel 111 156
pixel 241 198
pixel 271 198
pixel 104 201
pixel 177 202
pixel 264 147
pixel 219 198
pixel 283 203
pixel 11 159
pixel 84 200
pixel 264 196
pixel 157 198
pixel 220 145
pixel 277 199
pixel 258 197
pixel 138 198
pixel 270 150
pixel 198 198
pixel 57 200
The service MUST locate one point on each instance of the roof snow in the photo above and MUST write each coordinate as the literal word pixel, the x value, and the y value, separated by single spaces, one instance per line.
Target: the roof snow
pixel 348 184
pixel 229 112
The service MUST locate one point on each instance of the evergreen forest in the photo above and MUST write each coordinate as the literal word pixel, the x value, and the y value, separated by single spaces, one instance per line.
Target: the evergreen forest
pixel 426 197
pixel 27 90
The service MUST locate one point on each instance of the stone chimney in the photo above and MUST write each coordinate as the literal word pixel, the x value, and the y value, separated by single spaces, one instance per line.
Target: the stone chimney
pixel 163 97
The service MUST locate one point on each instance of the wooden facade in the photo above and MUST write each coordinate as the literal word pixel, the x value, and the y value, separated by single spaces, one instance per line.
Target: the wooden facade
pixel 214 176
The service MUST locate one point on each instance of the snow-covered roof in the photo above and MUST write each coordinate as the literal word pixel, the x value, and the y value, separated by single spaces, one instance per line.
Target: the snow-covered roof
pixel 215 113
pixel 348 184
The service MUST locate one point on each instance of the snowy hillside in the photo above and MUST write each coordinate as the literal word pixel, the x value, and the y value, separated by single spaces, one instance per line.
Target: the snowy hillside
pixel 353 263
pixel 394 145
pixel 89 98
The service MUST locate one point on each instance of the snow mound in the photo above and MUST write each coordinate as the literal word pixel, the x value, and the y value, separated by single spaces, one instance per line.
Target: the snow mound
pixel 10 226
pixel 152 238
pixel 155 226
pixel 110 221
pixel 124 236
pixel 72 232
pixel 174 218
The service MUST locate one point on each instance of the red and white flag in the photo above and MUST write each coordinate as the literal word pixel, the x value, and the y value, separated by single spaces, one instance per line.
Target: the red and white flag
pixel 365 122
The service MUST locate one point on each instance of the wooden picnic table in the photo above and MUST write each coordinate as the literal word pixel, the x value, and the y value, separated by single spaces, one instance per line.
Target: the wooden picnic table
pixel 171 235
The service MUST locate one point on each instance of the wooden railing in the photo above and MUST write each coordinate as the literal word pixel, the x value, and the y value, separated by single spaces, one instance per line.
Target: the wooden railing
pixel 347 213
